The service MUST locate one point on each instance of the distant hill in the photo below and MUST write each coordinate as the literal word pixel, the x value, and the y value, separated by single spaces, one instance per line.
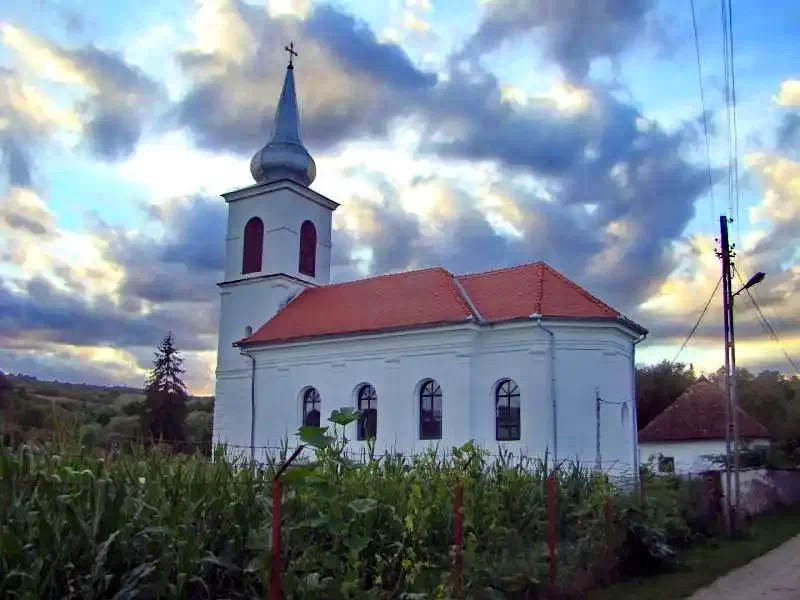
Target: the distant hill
pixel 29 405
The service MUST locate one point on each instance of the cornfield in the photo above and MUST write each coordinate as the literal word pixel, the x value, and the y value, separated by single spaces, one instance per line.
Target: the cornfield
pixel 150 524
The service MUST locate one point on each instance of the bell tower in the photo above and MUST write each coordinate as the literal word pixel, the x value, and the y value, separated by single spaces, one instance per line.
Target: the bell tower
pixel 278 242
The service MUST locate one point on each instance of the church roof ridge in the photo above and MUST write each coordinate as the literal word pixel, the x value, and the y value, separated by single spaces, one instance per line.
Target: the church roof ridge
pixel 500 269
pixel 381 276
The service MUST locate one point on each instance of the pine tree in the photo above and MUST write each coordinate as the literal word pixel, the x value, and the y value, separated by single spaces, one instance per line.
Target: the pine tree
pixel 166 395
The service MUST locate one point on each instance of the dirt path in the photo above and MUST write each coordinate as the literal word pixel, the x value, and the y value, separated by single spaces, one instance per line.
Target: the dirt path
pixel 774 576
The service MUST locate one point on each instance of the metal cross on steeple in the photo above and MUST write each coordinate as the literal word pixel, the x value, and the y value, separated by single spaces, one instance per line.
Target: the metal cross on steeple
pixel 292 53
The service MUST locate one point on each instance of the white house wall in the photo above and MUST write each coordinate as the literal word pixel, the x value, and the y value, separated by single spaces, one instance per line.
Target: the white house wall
pixel 467 362
pixel 688 455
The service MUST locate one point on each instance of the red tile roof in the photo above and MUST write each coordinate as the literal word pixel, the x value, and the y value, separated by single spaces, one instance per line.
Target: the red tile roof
pixel 403 300
pixel 698 414
pixel 429 297
pixel 519 292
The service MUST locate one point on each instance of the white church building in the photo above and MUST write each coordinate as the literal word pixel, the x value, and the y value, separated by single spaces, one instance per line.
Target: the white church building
pixel 520 358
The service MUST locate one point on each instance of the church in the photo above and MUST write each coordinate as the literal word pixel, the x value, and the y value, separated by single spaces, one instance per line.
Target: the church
pixel 519 358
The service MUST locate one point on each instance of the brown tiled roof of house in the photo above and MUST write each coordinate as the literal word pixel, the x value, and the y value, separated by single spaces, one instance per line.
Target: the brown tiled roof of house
pixel 429 297
pixel 698 414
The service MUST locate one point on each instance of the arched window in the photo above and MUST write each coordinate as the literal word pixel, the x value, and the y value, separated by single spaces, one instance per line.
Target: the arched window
pixel 430 411
pixel 368 405
pixel 253 247
pixel 625 413
pixel 308 249
pixel 311 407
pixel 507 419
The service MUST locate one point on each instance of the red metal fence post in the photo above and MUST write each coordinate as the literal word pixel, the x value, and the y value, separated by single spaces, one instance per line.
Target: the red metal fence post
pixel 551 517
pixel 275 580
pixel 458 538
pixel 275 592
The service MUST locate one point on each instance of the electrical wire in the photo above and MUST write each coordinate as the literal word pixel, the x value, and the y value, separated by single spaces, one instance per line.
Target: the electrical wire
pixel 735 129
pixel 727 96
pixel 700 318
pixel 703 106
pixel 766 324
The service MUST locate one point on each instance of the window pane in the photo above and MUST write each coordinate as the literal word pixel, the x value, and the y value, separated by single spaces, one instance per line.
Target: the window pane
pixel 368 419
pixel 312 404
pixel 430 411
pixel 507 411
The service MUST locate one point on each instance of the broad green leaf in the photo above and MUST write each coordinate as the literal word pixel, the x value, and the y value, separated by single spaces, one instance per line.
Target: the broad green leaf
pixel 357 542
pixel 298 473
pixel 363 505
pixel 315 436
pixel 344 415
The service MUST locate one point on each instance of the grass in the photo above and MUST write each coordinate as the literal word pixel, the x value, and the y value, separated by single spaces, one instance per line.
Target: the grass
pixel 704 563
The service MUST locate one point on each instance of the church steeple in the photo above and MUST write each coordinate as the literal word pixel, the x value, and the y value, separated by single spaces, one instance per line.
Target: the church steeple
pixel 285 157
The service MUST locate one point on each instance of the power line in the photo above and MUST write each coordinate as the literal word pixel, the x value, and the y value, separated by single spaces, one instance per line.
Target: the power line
pixel 700 318
pixel 727 97
pixel 735 129
pixel 703 105
pixel 766 324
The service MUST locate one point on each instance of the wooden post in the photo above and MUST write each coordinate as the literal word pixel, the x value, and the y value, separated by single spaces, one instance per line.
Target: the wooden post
pixel 458 538
pixel 551 517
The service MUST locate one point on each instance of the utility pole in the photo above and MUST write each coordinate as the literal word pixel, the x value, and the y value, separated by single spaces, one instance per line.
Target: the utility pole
pixel 598 457
pixel 725 254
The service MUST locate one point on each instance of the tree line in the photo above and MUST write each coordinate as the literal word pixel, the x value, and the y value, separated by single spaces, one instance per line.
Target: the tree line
pixel 163 413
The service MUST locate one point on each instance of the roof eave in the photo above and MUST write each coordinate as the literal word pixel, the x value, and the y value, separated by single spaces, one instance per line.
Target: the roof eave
pixel 343 335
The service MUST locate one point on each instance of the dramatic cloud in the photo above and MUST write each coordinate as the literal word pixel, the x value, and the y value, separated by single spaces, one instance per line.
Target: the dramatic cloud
pixel 351 85
pixel 119 98
pixel 574 31
pixel 789 94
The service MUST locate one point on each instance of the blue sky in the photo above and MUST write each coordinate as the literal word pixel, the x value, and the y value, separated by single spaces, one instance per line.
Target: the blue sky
pixel 567 131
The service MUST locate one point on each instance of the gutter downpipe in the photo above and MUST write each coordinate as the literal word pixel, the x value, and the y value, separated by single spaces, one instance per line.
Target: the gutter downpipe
pixel 636 467
pixel 252 406
pixel 538 319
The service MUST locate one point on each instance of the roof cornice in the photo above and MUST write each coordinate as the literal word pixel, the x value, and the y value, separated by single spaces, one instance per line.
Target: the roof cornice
pixel 259 189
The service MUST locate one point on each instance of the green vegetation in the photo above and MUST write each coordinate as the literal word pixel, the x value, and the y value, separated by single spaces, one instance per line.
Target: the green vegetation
pixel 702 564
pixel 33 411
pixel 77 523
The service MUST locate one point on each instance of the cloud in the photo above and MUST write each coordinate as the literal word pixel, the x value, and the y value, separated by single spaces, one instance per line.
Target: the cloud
pixel 789 93
pixel 23 210
pixel 349 84
pixel 119 99
pixel 574 32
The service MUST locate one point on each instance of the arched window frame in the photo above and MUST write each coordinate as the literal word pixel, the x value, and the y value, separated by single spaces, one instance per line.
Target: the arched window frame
pixel 430 410
pixel 367 404
pixel 312 405
pixel 308 249
pixel 507 405
pixel 625 414
pixel 253 246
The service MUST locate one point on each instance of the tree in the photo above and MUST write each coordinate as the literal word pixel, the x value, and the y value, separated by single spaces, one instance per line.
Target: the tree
pixel 6 391
pixel 658 386
pixel 165 394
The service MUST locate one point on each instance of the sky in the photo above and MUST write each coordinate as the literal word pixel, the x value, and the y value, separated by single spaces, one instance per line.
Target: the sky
pixel 472 134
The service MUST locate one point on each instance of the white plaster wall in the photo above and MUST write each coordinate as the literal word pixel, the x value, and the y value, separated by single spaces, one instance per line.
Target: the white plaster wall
pixel 247 303
pixel 688 455
pixel 591 361
pixel 467 361
pixel 283 212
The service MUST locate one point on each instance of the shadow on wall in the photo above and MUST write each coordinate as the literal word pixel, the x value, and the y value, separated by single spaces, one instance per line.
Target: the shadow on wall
pixel 764 490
